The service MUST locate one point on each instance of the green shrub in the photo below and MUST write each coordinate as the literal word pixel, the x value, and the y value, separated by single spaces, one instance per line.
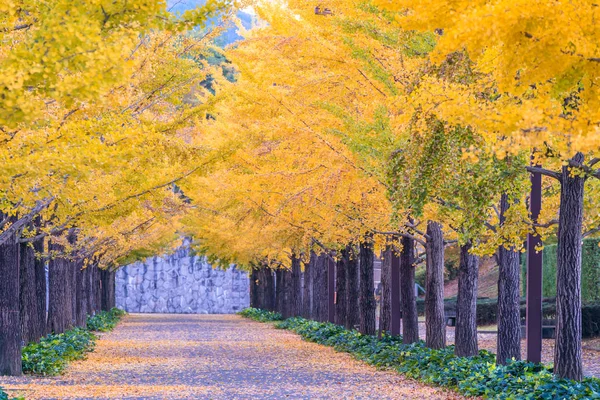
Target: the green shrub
pixel 53 353
pixel 474 376
pixel 3 395
pixel 260 315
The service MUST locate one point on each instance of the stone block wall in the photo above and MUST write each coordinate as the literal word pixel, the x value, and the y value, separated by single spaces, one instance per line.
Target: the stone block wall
pixel 181 283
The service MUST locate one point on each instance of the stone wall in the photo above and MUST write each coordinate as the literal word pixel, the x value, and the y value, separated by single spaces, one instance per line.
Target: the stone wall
pixel 181 283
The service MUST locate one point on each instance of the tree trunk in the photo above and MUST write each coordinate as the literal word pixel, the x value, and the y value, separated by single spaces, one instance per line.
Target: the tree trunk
pixel 509 298
pixel 296 290
pixel 320 289
pixel 340 293
pixel 567 351
pixel 352 287
pixel 108 289
pixel 60 311
pixel 466 304
pixel 435 321
pixel 367 285
pixel 410 318
pixel 32 326
pixel 269 289
pixel 287 293
pixel 385 303
pixel 10 317
pixel 307 297
pixel 254 291
pixel 81 294
pixel 279 289
pixel 41 288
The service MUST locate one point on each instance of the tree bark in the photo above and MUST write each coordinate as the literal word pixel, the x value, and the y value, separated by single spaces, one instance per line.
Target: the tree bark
pixel 350 259
pixel 108 289
pixel 307 297
pixel 410 318
pixel 60 311
pixel 81 294
pixel 320 289
pixel 287 293
pixel 567 351
pixel 10 317
pixel 41 288
pixel 32 326
pixel 466 304
pixel 509 298
pixel 254 291
pixel 367 299
pixel 385 303
pixel 340 293
pixel 296 290
pixel 269 289
pixel 435 321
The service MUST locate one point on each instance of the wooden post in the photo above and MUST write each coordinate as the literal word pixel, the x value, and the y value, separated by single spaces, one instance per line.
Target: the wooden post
pixel 534 277
pixel 395 293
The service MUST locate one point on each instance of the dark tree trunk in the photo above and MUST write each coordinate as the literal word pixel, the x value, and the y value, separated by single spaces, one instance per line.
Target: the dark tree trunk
pixel 350 259
pixel 279 290
pixel 466 304
pixel 367 298
pixel 60 312
pixel 98 285
pixel 410 318
pixel 32 326
pixel 108 289
pixel 287 293
pixel 73 290
pixel 509 298
pixel 10 317
pixel 94 287
pixel 296 290
pixel 269 289
pixel 567 351
pixel 307 297
pixel 385 303
pixel 41 288
pixel 254 291
pixel 80 294
pixel 320 289
pixel 435 321
pixel 340 294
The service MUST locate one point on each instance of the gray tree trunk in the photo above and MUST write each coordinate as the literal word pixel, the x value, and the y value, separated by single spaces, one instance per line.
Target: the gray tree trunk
pixel 307 288
pixel 350 259
pixel 466 304
pixel 296 289
pixel 60 310
pixel 385 302
pixel 509 298
pixel 340 295
pixel 435 321
pixel 367 298
pixel 567 351
pixel 10 317
pixel 410 318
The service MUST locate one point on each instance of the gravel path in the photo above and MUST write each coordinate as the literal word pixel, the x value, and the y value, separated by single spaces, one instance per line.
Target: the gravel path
pixel 153 356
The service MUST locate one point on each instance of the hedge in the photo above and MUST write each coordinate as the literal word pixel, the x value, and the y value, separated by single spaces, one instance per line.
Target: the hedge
pixel 590 271
pixel 474 376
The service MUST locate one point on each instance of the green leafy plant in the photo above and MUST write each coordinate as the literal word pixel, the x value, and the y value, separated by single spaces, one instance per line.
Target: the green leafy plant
pixel 53 353
pixel 260 315
pixel 474 376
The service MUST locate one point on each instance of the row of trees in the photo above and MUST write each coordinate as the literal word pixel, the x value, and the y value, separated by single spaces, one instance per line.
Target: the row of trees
pixel 96 104
pixel 405 127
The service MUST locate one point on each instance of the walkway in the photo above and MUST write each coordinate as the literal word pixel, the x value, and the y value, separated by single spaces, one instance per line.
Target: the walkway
pixel 155 356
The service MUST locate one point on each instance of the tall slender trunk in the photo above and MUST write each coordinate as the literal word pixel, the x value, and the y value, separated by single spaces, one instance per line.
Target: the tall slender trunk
pixel 567 351
pixel 320 289
pixel 268 279
pixel 254 291
pixel 32 326
pixel 350 259
pixel 108 289
pixel 81 294
pixel 307 297
pixel 287 293
pixel 509 299
pixel 340 293
pixel 296 289
pixel 385 302
pixel 367 298
pixel 435 322
pixel 466 304
pixel 279 289
pixel 410 318
pixel 41 288
pixel 10 317
pixel 60 312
